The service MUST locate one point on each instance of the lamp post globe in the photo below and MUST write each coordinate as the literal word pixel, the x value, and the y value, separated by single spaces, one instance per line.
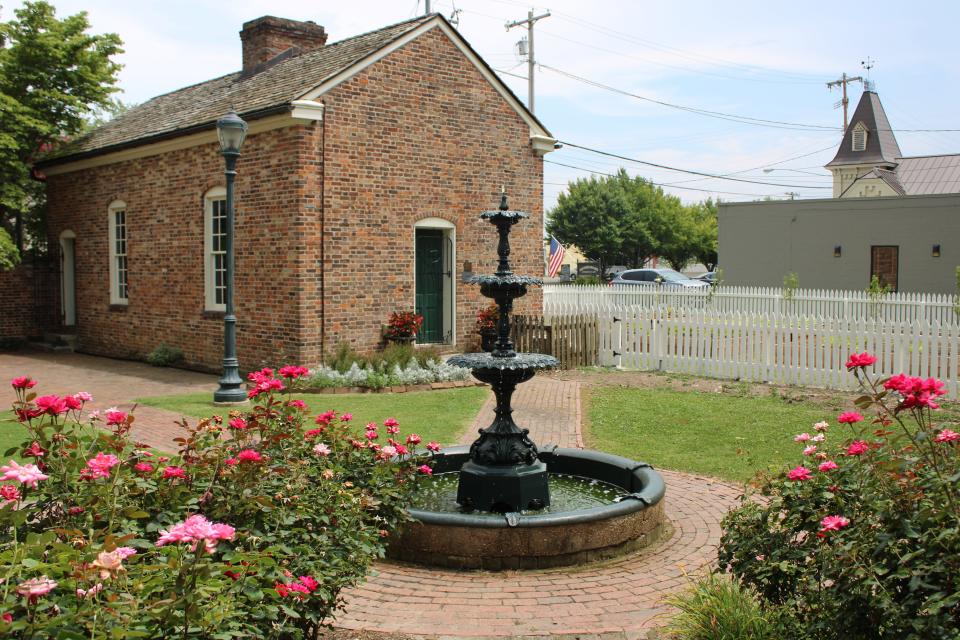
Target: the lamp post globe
pixel 231 131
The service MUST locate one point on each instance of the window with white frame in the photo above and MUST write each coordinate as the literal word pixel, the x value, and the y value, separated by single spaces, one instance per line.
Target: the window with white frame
pixel 215 249
pixel 117 224
pixel 859 137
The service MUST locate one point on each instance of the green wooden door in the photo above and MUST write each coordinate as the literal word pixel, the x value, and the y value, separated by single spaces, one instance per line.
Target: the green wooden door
pixel 429 274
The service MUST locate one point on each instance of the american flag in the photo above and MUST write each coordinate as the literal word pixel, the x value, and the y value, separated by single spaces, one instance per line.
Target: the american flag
pixel 556 257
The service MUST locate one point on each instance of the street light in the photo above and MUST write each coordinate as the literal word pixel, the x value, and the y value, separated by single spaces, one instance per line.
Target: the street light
pixel 231 130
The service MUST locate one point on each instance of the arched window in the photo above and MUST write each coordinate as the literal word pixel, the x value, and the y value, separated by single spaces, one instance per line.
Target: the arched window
pixel 117 224
pixel 859 137
pixel 215 249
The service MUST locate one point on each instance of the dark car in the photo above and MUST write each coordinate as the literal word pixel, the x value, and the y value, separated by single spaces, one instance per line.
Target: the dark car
pixel 652 277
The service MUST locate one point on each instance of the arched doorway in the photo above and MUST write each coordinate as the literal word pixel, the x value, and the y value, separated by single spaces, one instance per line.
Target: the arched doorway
pixel 68 289
pixel 434 286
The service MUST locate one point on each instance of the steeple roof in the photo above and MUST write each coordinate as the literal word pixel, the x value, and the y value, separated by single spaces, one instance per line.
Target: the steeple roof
pixel 881 148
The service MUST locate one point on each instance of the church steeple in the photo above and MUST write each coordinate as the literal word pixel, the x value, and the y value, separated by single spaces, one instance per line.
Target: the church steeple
pixel 868 144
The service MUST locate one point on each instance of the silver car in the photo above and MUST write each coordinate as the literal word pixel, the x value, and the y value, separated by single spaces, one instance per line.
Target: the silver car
pixel 652 277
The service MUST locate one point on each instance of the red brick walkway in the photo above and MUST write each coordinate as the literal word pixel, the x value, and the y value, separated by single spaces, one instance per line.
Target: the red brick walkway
pixel 623 597
pixel 111 382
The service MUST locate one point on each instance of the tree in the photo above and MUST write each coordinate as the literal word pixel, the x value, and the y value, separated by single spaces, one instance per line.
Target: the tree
pixel 624 220
pixel 54 77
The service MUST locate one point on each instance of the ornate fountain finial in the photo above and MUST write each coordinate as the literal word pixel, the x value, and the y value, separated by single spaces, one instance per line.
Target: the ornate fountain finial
pixel 503 198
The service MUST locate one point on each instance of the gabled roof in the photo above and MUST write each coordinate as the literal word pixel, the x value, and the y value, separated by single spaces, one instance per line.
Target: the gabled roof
pixel 882 147
pixel 924 175
pixel 196 108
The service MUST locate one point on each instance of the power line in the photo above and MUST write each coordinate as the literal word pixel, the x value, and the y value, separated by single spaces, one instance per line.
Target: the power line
pixel 769 164
pixel 658 184
pixel 690 171
pixel 763 122
pixel 777 124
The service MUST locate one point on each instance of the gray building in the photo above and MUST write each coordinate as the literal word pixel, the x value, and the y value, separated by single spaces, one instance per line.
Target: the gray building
pixel 911 243
pixel 892 216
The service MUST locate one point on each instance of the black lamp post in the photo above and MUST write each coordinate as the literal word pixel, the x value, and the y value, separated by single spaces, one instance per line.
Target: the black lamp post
pixel 231 130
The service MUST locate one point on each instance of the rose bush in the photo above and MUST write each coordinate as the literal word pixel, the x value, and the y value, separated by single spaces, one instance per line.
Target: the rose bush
pixel 862 538
pixel 251 530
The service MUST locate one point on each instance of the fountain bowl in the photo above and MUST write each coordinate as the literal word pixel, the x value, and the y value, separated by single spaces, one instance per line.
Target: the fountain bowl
pixel 544 540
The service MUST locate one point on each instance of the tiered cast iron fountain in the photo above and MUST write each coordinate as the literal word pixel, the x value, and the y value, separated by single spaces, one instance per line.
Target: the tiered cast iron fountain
pixel 503 517
pixel 504 473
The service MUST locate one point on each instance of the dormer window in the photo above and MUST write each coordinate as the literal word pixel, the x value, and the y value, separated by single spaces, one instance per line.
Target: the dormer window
pixel 859 137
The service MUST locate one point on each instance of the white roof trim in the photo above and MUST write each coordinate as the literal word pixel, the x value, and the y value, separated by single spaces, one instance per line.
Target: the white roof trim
pixel 306 110
pixel 537 132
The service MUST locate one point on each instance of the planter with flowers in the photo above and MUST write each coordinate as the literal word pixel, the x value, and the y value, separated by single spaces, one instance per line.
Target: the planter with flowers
pixel 402 327
pixel 487 326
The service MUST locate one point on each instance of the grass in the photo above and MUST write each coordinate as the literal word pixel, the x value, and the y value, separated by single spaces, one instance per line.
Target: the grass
pixel 12 434
pixel 727 436
pixel 441 415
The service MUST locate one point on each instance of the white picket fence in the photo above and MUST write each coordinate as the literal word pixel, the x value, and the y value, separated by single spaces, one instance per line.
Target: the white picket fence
pixel 772 347
pixel 562 300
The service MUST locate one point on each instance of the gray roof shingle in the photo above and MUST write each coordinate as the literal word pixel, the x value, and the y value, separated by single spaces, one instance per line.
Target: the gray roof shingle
pixel 198 106
pixel 882 147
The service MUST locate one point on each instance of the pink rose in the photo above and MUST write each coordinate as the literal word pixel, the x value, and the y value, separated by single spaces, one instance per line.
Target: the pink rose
pixel 115 417
pixel 821 426
pixel 28 474
pixel 347 417
pixel 83 396
pixel 829 465
pixel 849 417
pixel 947 435
pixel 425 469
pixel 298 404
pixel 857 447
pixel 143 467
pixel 809 451
pixel 194 530
pixel 860 360
pixel 433 446
pixel 321 449
pixel 23 382
pixel 414 439
pixel 237 423
pixel 803 437
pixel 9 494
pixel 51 405
pixel 833 523
pixel 36 587
pixel 391 422
pixel 174 472
pixel 819 438
pixel 293 372
pixel 799 474
pixel 249 455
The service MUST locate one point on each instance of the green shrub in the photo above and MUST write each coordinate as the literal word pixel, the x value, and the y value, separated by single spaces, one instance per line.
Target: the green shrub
pixel 164 356
pixel 862 538
pixel 344 357
pixel 251 531
pixel 587 280
pixel 718 608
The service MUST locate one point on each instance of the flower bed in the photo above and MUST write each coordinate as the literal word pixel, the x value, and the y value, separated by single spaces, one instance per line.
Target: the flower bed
pixel 251 530
pixel 861 539
pixel 413 376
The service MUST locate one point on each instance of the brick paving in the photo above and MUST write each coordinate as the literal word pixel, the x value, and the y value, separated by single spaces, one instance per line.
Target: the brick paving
pixel 619 599
pixel 111 382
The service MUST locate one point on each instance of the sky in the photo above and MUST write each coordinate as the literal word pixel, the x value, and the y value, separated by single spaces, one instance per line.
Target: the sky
pixel 764 60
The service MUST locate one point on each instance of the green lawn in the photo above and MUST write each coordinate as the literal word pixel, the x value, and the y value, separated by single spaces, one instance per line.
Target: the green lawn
pixel 441 415
pixel 727 436
pixel 12 434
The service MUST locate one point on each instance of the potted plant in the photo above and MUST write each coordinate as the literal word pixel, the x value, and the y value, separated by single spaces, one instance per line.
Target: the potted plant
pixel 487 319
pixel 402 326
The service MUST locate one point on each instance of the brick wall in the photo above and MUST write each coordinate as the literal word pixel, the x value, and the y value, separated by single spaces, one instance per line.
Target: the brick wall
pixel 325 218
pixel 164 198
pixel 421 134
pixel 27 295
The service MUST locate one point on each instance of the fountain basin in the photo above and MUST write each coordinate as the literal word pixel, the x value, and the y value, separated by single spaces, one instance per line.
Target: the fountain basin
pixel 540 540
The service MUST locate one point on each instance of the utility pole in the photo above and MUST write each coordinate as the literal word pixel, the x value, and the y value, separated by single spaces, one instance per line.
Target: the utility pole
pixel 427 3
pixel 531 60
pixel 843 81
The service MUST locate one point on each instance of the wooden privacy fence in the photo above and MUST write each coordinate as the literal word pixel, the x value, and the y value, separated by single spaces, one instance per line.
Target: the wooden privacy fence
pixel 571 339
pixel 564 300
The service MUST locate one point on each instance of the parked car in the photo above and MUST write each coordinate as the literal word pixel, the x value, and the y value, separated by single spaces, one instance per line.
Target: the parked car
pixel 709 277
pixel 651 277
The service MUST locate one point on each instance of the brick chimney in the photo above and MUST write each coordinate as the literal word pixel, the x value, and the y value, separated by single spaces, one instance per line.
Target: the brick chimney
pixel 267 37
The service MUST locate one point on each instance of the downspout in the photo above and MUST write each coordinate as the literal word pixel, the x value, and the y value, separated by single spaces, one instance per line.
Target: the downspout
pixel 323 235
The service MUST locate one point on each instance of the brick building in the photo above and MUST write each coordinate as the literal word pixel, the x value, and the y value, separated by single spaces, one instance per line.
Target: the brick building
pixel 365 168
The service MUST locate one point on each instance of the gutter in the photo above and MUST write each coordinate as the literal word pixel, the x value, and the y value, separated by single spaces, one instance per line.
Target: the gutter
pixel 159 137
